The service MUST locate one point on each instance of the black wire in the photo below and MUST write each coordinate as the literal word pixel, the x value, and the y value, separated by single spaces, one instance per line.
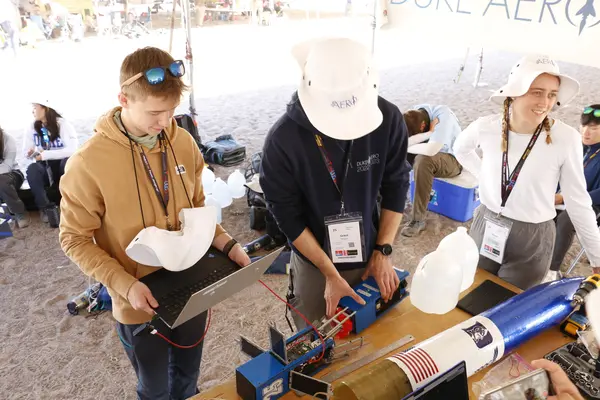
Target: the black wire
pixel 137 184
pixel 180 175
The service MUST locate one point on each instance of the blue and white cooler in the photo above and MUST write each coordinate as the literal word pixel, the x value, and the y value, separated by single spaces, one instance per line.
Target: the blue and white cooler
pixel 456 198
pixel 6 222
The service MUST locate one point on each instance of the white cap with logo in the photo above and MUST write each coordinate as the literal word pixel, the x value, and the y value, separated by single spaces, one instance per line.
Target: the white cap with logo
pixel 339 89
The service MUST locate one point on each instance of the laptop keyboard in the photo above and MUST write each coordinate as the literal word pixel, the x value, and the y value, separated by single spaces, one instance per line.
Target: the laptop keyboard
pixel 174 301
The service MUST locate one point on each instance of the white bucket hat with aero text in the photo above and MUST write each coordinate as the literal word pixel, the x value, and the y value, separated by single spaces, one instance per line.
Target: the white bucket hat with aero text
pixel 526 71
pixel 339 89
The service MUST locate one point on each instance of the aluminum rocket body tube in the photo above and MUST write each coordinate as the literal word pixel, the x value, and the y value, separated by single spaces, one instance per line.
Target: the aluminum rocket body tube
pixel 479 341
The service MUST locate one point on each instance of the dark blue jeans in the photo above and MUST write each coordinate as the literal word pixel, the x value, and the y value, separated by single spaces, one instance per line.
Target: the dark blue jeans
pixel 38 177
pixel 165 372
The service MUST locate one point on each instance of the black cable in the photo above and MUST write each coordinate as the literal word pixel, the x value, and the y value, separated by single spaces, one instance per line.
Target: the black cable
pixel 176 168
pixel 137 184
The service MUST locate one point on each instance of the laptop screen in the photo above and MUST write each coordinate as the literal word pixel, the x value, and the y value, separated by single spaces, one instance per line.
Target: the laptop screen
pixel 451 385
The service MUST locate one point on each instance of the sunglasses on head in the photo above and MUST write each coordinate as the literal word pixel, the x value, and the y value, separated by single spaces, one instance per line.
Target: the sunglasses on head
pixel 590 110
pixel 157 75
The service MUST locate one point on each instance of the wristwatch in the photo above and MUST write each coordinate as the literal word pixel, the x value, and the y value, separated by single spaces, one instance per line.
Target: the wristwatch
pixel 228 246
pixel 385 249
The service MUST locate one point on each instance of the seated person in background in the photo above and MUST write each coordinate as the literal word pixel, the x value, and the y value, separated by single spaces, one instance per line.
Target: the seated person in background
pixel 49 141
pixel 443 129
pixel 11 179
pixel 565 231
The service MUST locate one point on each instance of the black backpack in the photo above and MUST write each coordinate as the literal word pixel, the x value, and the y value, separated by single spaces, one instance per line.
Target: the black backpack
pixel 188 123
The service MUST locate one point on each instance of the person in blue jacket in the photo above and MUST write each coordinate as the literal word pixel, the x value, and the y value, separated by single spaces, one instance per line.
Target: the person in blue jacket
pixel 325 161
pixel 565 231
pixel 437 125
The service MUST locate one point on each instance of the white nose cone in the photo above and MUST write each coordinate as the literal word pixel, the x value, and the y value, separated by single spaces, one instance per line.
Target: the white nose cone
pixel 436 284
pixel 176 250
pixel 592 309
pixel 464 250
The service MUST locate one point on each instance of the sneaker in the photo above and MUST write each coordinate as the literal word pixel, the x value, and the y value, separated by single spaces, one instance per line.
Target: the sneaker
pixel 44 216
pixel 23 220
pixel 53 215
pixel 413 228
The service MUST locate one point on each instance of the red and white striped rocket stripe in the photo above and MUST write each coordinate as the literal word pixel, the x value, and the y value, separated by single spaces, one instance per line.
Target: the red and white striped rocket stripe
pixel 419 362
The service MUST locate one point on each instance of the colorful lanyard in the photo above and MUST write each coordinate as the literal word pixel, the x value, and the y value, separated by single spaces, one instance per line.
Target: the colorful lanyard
pixel 508 182
pixel 164 199
pixel 331 170
pixel 587 158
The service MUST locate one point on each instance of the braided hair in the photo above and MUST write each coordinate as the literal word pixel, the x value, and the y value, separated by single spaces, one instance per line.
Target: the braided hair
pixel 506 125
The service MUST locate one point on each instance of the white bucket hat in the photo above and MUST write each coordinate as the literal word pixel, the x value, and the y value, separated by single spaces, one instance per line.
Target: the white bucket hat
pixel 524 73
pixel 176 250
pixel 339 88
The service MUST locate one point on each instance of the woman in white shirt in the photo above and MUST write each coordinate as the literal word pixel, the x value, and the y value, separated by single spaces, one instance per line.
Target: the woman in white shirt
pixel 49 141
pixel 526 155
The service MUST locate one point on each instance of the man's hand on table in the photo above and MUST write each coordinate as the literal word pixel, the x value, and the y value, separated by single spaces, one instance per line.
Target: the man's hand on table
pixel 564 388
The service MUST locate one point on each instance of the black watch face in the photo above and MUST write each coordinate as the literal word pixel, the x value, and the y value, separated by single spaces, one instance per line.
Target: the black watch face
pixel 385 249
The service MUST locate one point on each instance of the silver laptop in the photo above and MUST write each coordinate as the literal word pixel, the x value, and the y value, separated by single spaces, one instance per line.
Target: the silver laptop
pixel 183 295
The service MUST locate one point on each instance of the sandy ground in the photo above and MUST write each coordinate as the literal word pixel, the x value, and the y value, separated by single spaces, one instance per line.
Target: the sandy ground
pixel 244 77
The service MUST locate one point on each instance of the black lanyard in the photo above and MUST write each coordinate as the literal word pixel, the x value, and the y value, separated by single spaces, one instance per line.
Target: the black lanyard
pixel 589 158
pixel 508 182
pixel 164 199
pixel 331 170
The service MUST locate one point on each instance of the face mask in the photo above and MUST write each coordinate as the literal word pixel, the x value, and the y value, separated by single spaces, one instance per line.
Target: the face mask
pixel 176 250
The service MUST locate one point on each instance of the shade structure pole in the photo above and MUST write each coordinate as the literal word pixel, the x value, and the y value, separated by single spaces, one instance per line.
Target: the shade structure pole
pixel 189 70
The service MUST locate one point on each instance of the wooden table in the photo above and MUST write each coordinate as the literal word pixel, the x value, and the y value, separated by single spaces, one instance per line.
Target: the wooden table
pixel 405 319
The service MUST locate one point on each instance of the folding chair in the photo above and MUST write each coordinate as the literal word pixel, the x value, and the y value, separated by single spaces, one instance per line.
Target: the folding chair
pixel 580 254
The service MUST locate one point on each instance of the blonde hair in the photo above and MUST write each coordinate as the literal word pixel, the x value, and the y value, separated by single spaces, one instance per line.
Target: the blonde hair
pixel 141 60
pixel 506 125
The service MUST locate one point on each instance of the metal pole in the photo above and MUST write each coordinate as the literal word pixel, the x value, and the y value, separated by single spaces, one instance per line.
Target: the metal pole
pixel 477 82
pixel 462 67
pixel 185 19
pixel 374 25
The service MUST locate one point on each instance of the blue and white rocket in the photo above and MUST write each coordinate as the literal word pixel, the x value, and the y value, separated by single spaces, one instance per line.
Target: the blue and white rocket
pixel 479 341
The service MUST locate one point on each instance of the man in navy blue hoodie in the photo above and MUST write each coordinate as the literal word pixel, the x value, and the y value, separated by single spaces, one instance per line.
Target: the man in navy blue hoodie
pixel 590 136
pixel 325 161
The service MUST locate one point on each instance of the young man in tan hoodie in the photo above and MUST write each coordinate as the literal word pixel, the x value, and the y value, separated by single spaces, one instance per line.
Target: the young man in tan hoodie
pixel 108 196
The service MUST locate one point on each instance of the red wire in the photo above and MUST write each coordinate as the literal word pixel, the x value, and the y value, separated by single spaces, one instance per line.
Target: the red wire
pixel 305 320
pixel 157 333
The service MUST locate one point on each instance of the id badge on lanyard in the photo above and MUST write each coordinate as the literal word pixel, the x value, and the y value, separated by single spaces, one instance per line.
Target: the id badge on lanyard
pixel 495 237
pixel 497 229
pixel 345 238
pixel 344 232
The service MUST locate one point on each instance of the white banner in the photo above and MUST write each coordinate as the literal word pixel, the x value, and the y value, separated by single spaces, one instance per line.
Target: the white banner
pixel 567 30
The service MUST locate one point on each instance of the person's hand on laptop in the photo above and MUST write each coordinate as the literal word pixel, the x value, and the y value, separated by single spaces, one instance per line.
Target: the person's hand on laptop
pixel 239 256
pixel 141 299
